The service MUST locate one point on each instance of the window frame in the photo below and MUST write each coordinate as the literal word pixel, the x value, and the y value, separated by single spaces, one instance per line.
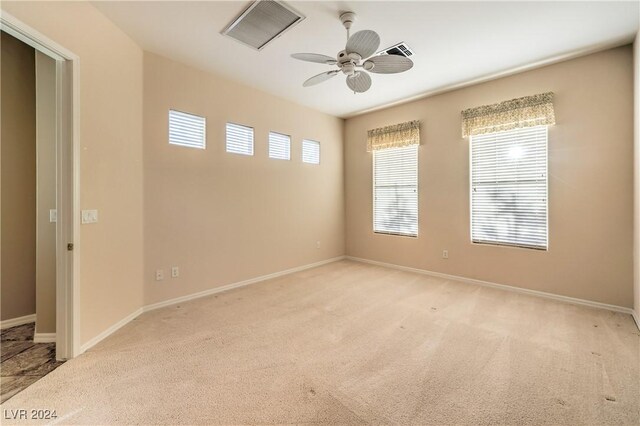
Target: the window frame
pixel 547 201
pixel 417 192
pixel 288 147
pixel 187 145
pixel 226 139
pixel 319 152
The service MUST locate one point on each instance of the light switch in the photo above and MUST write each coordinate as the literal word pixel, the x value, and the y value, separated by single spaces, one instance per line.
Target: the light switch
pixel 53 215
pixel 89 216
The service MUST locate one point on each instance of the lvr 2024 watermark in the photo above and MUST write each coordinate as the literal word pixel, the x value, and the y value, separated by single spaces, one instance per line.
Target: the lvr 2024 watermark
pixel 33 414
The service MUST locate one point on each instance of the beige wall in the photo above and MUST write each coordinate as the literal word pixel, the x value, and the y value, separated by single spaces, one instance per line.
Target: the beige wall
pixel 223 218
pixel 110 155
pixel 18 179
pixel 590 184
pixel 46 193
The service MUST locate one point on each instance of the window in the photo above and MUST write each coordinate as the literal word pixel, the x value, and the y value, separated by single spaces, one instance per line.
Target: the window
pixel 509 188
pixel 279 146
pixel 187 129
pixel 395 191
pixel 239 139
pixel 310 152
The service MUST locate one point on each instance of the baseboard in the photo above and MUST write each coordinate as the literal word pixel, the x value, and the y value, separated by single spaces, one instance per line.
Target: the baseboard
pixel 567 299
pixel 44 337
pixel 88 345
pixel 636 318
pixel 109 331
pixel 17 321
pixel 227 287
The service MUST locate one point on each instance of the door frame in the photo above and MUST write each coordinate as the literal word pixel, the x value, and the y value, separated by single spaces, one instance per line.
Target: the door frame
pixel 67 181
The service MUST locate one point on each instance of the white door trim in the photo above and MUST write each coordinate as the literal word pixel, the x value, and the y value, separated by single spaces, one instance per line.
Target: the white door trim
pixel 68 181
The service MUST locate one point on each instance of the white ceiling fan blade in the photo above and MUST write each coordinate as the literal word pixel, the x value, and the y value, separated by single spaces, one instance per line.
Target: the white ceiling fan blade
pixel 320 78
pixel 364 43
pixel 359 82
pixel 388 64
pixel 315 57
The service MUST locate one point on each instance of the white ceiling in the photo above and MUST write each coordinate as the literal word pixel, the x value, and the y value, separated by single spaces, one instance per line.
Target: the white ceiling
pixel 454 42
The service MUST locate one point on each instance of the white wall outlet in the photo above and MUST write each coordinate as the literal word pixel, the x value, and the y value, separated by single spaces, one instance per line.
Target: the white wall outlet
pixel 53 215
pixel 445 254
pixel 317 244
pixel 175 272
pixel 159 275
pixel 89 216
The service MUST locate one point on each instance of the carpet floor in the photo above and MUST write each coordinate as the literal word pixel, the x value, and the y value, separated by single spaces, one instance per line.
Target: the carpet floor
pixel 352 343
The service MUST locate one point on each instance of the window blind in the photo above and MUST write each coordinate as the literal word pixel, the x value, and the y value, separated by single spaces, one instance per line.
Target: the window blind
pixel 509 187
pixel 187 129
pixel 239 139
pixel 279 146
pixel 395 191
pixel 310 152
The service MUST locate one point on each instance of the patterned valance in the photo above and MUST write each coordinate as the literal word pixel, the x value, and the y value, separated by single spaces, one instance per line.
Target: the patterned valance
pixel 396 136
pixel 528 111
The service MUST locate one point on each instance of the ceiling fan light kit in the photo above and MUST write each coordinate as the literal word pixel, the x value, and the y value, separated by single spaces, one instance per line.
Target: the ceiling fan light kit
pixel 350 62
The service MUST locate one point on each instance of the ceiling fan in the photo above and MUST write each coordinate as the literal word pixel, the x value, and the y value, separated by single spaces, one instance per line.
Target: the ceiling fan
pixel 351 60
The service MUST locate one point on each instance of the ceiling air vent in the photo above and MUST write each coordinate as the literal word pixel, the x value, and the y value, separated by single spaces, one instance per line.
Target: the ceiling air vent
pixel 262 22
pixel 399 49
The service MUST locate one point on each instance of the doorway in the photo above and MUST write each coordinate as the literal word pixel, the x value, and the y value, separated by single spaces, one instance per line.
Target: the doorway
pixel 64 73
pixel 28 215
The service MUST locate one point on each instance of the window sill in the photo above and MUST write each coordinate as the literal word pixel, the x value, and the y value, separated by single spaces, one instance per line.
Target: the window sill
pixel 396 235
pixel 505 245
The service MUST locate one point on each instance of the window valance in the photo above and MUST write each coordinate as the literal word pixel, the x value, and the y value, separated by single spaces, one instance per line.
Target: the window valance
pixel 395 136
pixel 516 113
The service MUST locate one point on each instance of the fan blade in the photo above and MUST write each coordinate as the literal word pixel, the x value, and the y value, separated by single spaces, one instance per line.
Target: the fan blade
pixel 315 57
pixel 359 82
pixel 364 43
pixel 388 64
pixel 320 78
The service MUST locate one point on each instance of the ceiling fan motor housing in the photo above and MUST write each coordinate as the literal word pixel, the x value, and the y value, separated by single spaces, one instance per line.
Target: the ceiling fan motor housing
pixel 343 57
pixel 347 62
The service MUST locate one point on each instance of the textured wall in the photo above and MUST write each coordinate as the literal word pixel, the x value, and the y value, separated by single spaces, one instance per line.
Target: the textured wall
pixel 590 184
pixel 18 179
pixel 224 218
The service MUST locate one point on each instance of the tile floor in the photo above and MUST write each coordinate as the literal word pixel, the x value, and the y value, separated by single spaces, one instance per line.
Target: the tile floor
pixel 23 362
